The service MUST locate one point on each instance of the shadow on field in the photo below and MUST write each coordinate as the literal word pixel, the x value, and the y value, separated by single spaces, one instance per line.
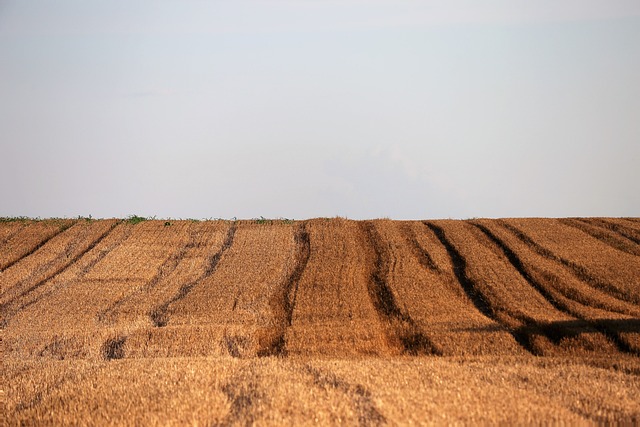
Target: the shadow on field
pixel 571 328
pixel 559 330
pixel 568 328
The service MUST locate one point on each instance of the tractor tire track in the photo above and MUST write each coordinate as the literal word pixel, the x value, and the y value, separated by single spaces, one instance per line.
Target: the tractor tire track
pixel 109 314
pixel 249 399
pixel 631 221
pixel 43 242
pixel 475 295
pixel 246 398
pixel 602 234
pixel 357 395
pixel 113 348
pixel 554 332
pixel 42 395
pixel 628 233
pixel 283 301
pixel 7 312
pixel 42 268
pixel 423 256
pixel 403 327
pixel 11 235
pixel 460 270
pixel 86 269
pixel 577 270
pixel 159 315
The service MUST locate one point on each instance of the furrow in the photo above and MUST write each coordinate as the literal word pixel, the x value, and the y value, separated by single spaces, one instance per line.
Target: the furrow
pixel 103 253
pixel 11 235
pixel 43 242
pixel 304 251
pixel 402 326
pixel 597 299
pixel 69 263
pixel 42 394
pixel 476 296
pixel 159 315
pixel 40 263
pixel 460 271
pixel 434 298
pixel 359 398
pixel 577 270
pixel 113 348
pixel 605 236
pixel 283 299
pixel 85 269
pixel 168 266
pixel 225 246
pixel 554 330
pixel 626 232
pixel 245 394
pixel 519 266
pixel 8 312
pixel 424 258
pixel 334 314
pixel 631 221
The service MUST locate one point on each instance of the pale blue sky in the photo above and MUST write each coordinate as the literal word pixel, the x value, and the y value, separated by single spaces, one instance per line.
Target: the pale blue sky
pixel 308 108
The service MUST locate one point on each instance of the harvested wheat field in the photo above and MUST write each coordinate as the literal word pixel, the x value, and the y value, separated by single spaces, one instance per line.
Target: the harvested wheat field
pixel 323 321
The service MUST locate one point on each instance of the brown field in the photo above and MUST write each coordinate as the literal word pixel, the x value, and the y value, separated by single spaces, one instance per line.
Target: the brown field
pixel 324 321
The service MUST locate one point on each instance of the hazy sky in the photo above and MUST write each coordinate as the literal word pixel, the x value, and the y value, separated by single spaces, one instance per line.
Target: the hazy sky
pixel 308 108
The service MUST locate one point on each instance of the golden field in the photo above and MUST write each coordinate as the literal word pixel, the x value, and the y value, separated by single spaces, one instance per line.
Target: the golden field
pixel 323 321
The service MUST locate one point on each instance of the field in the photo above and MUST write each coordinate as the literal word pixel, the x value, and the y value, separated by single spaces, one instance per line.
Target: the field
pixel 319 321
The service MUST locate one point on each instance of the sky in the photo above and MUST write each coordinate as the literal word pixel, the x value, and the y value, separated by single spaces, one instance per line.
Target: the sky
pixel 320 108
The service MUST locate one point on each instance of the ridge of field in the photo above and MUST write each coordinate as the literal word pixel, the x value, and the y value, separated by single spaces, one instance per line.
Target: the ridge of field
pixel 609 233
pixel 22 238
pixel 335 312
pixel 567 291
pixel 596 263
pixel 425 284
pixel 303 301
